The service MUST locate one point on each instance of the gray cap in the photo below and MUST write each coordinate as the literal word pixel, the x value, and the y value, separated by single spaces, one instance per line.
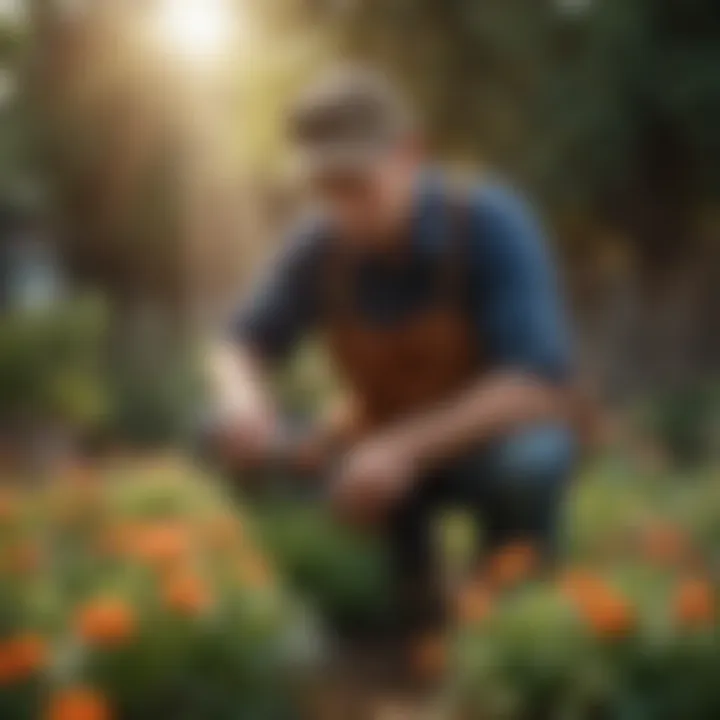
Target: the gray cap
pixel 346 119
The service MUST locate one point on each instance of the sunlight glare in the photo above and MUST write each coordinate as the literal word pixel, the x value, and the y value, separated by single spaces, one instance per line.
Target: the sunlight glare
pixel 201 30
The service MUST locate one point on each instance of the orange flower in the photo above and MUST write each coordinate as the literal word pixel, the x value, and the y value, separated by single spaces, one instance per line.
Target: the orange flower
pixel 8 505
pixel 579 585
pixel 162 544
pixel 474 604
pixel 24 558
pixel 612 617
pixel 78 704
pixel 106 622
pixel 664 544
pixel 31 653
pixel 77 496
pixel 694 603
pixel 605 611
pixel 186 594
pixel 512 564
pixel 223 532
pixel 601 606
pixel 22 657
pixel 429 657
pixel 119 540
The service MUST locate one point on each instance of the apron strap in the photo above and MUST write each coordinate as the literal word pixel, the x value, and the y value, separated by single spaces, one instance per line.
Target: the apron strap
pixel 455 277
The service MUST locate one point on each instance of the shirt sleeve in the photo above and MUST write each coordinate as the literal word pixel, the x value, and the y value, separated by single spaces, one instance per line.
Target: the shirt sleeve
pixel 283 306
pixel 515 295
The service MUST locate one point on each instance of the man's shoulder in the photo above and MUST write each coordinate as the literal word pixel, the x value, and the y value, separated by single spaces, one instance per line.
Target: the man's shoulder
pixel 502 220
pixel 494 200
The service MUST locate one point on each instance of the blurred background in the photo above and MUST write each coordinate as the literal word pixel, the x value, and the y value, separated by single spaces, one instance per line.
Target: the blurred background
pixel 144 180
pixel 143 162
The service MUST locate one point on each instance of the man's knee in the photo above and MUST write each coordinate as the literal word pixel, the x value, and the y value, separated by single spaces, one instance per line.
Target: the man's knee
pixel 532 460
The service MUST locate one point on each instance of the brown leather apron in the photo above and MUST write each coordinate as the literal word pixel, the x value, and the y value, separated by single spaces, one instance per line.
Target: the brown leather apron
pixel 392 371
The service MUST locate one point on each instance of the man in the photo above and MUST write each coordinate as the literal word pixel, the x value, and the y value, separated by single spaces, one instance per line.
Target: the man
pixel 441 313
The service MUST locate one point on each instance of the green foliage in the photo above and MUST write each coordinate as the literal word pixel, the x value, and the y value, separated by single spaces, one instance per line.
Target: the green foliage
pixel 627 628
pixel 307 384
pixel 687 422
pixel 51 364
pixel 219 645
pixel 575 96
pixel 153 406
pixel 341 573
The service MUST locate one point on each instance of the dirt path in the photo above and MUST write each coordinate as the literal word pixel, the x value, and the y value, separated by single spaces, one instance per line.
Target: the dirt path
pixel 366 683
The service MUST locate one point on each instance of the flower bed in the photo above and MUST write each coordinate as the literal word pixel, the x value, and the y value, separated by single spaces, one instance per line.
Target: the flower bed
pixel 627 628
pixel 141 596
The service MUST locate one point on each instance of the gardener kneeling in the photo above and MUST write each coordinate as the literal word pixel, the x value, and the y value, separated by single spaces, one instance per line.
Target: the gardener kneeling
pixel 441 313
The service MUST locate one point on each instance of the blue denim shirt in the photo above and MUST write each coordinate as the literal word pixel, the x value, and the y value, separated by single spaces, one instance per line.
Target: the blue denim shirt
pixel 513 299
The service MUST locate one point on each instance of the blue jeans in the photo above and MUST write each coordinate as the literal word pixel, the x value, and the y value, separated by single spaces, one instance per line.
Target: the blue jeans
pixel 514 488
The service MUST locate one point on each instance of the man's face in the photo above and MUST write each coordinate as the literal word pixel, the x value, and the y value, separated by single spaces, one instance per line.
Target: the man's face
pixel 371 203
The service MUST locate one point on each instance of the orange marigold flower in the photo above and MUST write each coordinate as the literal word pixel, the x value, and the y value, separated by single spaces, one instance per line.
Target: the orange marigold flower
pixel 106 622
pixel 474 604
pixel 8 505
pixel 223 532
pixel 512 564
pixel 187 594
pixel 694 603
pixel 31 653
pixel 162 544
pixel 664 543
pixel 22 657
pixel 118 540
pixel 7 669
pixel 601 606
pixel 430 657
pixel 78 704
pixel 76 497
pixel 24 558
pixel 608 614
pixel 578 585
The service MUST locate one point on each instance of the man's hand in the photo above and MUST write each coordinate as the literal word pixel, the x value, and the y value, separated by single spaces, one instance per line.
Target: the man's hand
pixel 244 427
pixel 373 478
pixel 245 440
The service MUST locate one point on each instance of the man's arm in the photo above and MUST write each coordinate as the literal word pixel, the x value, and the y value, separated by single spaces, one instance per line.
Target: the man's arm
pixel 488 409
pixel 244 420
pixel 264 331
